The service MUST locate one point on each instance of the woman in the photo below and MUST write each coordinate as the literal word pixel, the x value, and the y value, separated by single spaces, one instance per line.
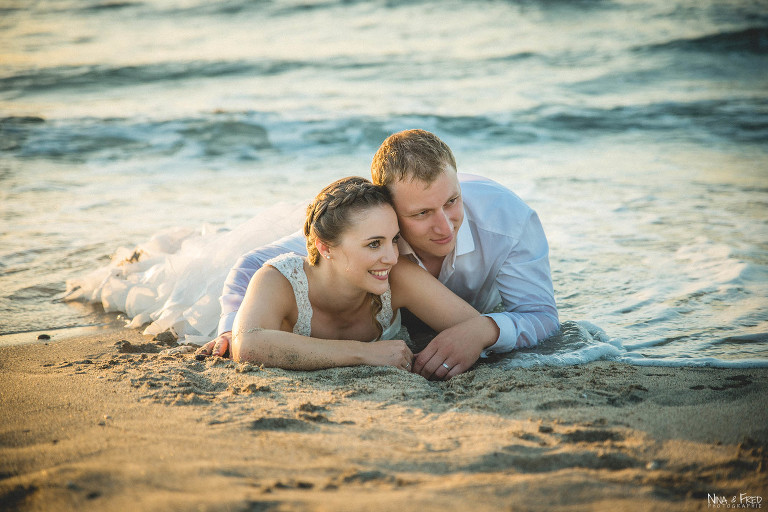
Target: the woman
pixel 322 311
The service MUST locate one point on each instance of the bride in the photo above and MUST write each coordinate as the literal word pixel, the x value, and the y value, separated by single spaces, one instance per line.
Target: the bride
pixel 324 310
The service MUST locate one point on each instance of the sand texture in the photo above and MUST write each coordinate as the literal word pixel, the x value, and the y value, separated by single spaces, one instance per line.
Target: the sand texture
pixel 95 423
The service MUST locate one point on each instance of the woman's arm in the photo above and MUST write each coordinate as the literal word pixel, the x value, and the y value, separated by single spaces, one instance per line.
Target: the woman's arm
pixel 260 336
pixel 426 297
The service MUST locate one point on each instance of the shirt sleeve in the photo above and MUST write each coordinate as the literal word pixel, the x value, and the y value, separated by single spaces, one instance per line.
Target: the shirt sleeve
pixel 525 285
pixel 240 275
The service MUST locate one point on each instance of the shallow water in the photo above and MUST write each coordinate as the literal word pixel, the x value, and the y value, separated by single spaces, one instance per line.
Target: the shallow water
pixel 636 129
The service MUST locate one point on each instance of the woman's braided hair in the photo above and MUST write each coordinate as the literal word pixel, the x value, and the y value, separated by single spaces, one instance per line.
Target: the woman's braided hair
pixel 328 217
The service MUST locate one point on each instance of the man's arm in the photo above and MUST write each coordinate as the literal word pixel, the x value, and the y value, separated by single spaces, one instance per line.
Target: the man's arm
pixel 525 284
pixel 530 315
pixel 240 275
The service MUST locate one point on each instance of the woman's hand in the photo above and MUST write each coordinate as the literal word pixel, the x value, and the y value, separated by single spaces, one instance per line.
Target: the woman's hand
pixel 217 347
pixel 389 353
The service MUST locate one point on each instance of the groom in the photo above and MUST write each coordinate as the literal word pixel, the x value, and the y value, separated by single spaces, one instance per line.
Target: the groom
pixel 476 236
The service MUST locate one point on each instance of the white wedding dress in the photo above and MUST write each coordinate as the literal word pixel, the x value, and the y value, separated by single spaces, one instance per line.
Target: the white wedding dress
pixel 174 280
pixel 292 267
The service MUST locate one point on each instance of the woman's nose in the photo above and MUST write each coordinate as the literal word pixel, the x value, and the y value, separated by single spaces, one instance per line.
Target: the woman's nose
pixel 390 255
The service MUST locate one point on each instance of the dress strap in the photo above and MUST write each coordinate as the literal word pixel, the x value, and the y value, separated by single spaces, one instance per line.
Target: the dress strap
pixel 292 267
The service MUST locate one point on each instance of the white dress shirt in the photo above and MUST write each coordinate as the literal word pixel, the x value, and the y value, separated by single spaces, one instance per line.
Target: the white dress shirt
pixel 501 258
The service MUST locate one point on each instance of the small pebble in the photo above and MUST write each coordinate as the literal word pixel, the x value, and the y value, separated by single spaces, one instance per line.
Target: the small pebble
pixel 44 337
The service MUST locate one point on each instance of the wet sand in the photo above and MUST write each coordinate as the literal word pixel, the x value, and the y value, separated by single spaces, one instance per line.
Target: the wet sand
pixel 94 423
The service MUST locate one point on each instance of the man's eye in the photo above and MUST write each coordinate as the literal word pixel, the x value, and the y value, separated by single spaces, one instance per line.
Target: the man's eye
pixel 452 201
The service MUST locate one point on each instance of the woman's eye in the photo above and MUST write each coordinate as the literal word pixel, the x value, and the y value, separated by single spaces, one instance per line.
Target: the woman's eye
pixel 374 245
pixel 396 239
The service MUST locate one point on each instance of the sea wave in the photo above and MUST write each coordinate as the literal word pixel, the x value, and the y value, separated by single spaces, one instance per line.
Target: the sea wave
pixel 244 135
pixel 62 78
pixel 284 8
pixel 109 6
pixel 749 40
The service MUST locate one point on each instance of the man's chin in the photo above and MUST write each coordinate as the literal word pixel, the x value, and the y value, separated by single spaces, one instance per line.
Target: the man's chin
pixel 441 250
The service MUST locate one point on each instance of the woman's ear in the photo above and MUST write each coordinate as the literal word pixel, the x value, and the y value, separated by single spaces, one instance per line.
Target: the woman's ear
pixel 323 248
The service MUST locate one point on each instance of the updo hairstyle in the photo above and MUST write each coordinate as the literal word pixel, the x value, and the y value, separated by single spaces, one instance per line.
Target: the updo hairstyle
pixel 328 216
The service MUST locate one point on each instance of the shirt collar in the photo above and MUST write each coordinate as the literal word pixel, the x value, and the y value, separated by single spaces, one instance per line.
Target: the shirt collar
pixel 464 241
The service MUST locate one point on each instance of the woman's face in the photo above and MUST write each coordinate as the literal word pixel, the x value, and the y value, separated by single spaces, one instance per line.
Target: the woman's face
pixel 367 250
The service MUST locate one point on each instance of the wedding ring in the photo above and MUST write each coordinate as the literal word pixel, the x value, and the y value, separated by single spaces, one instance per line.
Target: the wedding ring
pixel 446 366
pixel 407 366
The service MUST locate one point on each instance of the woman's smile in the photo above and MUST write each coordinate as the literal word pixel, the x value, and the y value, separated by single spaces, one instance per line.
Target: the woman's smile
pixel 382 275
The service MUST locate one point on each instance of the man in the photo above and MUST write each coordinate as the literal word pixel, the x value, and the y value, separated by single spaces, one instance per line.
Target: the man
pixel 476 236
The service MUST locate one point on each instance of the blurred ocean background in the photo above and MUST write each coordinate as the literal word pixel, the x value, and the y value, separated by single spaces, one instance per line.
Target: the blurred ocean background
pixel 638 130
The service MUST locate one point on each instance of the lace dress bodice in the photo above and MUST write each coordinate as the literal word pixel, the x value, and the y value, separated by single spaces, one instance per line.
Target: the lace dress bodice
pixel 292 267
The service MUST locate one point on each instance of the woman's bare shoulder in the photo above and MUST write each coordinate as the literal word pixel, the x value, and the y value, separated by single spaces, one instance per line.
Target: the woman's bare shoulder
pixel 269 280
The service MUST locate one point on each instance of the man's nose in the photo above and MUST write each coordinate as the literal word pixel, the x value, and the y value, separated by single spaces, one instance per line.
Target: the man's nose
pixel 443 224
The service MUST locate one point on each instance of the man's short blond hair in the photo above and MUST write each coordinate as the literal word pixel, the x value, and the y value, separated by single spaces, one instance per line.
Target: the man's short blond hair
pixel 411 155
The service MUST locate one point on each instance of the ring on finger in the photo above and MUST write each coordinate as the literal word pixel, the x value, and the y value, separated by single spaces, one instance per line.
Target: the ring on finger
pixel 446 366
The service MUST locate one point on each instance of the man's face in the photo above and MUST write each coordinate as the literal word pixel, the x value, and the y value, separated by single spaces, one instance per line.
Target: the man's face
pixel 429 214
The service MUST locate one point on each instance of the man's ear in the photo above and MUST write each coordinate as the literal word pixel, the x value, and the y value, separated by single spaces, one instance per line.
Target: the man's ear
pixel 323 248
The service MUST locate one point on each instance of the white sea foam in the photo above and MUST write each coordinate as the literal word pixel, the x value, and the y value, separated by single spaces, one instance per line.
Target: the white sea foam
pixel 583 342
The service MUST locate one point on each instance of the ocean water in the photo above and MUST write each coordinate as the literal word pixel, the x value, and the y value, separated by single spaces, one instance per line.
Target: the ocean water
pixel 637 129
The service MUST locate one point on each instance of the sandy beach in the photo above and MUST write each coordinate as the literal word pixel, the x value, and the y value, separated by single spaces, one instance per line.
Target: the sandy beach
pixel 108 421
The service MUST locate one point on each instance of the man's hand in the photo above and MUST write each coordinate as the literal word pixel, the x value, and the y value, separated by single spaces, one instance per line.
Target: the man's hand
pixel 217 347
pixel 456 349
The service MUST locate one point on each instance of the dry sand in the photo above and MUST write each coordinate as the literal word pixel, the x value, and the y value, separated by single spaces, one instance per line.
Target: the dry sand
pixel 87 424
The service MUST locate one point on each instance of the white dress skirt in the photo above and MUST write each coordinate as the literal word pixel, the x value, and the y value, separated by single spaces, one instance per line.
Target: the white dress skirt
pixel 174 280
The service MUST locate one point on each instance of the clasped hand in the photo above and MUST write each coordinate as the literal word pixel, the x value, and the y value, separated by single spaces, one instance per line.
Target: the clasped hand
pixel 456 349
